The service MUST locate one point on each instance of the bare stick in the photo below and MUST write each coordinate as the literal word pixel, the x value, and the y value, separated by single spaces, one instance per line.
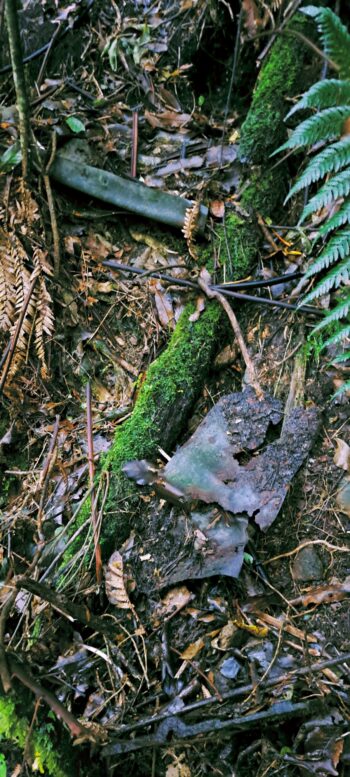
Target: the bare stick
pixel 211 293
pixel 90 443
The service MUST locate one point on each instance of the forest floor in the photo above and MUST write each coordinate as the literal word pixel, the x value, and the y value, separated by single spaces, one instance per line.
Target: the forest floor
pixel 200 673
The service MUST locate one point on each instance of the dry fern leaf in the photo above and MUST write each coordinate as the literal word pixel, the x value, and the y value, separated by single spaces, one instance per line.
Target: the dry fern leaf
pixel 190 227
pixel 7 283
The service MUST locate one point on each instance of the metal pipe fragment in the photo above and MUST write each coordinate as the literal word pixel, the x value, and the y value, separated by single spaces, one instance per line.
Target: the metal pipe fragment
pixel 128 194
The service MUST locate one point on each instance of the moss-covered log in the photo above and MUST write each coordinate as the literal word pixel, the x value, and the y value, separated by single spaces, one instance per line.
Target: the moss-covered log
pixel 263 184
pixel 172 384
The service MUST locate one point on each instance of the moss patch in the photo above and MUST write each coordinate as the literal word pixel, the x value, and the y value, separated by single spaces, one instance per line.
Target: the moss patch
pixel 15 729
pixel 264 130
pixel 165 398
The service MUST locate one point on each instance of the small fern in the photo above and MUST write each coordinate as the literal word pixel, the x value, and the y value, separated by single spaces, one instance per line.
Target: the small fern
pixel 329 126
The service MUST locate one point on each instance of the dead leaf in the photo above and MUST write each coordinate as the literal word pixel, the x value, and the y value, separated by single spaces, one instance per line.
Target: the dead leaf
pixel 163 303
pixel 343 496
pixel 224 640
pixel 342 455
pixel 115 585
pixel 169 98
pixel 173 602
pixel 217 209
pixel 193 649
pixel 324 594
pixel 205 469
pixel 178 768
pixel 200 306
pixel 168 119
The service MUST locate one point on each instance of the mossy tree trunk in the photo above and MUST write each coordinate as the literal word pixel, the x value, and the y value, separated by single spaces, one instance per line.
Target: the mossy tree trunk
pixel 264 185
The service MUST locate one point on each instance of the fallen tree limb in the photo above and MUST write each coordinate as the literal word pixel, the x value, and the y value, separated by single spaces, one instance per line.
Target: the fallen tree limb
pixel 128 194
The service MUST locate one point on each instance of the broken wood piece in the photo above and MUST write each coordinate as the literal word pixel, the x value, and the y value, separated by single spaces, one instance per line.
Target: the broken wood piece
pixel 128 194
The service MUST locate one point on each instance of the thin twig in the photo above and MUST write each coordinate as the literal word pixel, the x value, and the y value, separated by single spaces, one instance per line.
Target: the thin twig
pixel 213 294
pixel 134 143
pixel 223 288
pixel 236 693
pixel 23 674
pixel 327 545
pixel 52 210
pixel 56 33
pixel 90 445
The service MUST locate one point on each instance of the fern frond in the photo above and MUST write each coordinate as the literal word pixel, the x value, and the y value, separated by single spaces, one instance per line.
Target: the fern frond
pixel 321 127
pixel 344 387
pixel 340 311
pixel 337 186
pixel 7 296
pixel 342 357
pixel 324 94
pixel 337 248
pixel 334 35
pixel 338 337
pixel 337 220
pixel 329 160
pixel 335 278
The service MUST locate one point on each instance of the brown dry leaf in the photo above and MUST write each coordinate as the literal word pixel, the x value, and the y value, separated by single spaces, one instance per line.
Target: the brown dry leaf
pixel 169 98
pixel 224 640
pixel 163 303
pixel 343 496
pixel 178 768
pixel 217 209
pixel 101 287
pixel 200 306
pixel 342 455
pixel 252 20
pixel 193 649
pixel 174 601
pixel 115 585
pixel 337 748
pixel 168 119
pixel 325 594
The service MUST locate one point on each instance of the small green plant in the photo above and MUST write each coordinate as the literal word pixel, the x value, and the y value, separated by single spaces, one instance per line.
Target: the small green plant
pixel 329 126
pixel 3 770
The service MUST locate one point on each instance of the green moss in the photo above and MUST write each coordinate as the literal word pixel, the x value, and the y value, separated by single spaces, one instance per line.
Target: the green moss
pixel 266 190
pixel 15 729
pixel 172 384
pixel 280 77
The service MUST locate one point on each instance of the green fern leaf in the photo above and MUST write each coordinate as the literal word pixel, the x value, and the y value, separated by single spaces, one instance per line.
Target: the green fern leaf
pixel 341 217
pixel 334 35
pixel 342 357
pixel 339 336
pixel 321 127
pixel 337 186
pixel 336 277
pixel 340 311
pixel 337 248
pixel 344 387
pixel 329 160
pixel 324 94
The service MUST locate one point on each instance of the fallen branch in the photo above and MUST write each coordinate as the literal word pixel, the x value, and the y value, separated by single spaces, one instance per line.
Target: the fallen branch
pixel 128 194
pixel 22 673
pixel 214 294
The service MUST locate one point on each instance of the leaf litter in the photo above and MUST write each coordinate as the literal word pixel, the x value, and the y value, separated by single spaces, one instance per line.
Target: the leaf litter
pixel 157 650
